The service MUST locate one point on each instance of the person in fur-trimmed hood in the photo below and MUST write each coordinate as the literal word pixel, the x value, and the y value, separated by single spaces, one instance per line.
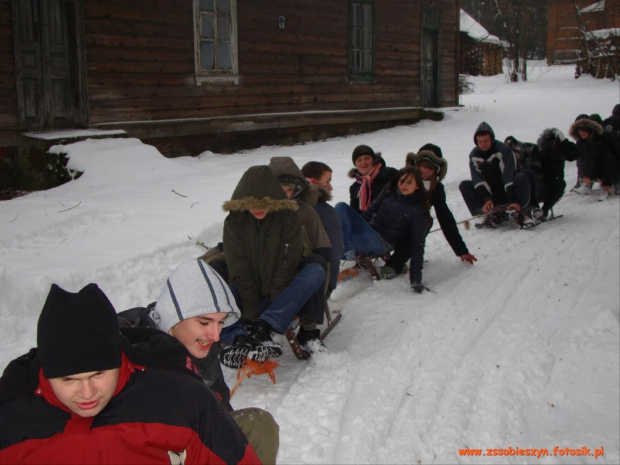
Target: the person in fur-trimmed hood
pixel 319 175
pixel 495 180
pixel 433 169
pixel 600 156
pixel 264 252
pixel 371 175
pixel 554 149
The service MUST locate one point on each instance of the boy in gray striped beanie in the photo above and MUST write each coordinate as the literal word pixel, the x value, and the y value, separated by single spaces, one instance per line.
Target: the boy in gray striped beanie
pixel 194 306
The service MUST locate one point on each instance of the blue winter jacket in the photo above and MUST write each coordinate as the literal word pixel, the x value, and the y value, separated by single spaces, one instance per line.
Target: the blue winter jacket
pixel 396 216
pixel 493 169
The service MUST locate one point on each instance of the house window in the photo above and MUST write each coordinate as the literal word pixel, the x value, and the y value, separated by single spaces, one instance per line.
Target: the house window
pixel 362 49
pixel 216 41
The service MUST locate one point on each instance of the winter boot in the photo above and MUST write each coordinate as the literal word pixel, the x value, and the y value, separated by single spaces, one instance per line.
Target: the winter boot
pixel 604 195
pixel 243 348
pixel 310 340
pixel 584 189
pixel 260 331
pixel 387 272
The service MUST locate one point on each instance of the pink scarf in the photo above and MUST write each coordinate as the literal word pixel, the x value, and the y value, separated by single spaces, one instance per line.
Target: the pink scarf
pixel 365 192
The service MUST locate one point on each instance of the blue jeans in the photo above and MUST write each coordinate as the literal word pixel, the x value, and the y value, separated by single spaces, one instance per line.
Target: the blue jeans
pixel 357 235
pixel 283 310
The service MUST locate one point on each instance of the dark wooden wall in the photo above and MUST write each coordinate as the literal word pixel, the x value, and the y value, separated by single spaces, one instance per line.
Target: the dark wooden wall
pixel 140 59
pixel 8 96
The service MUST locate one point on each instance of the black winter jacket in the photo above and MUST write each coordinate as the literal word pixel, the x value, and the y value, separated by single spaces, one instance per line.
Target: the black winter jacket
pixel 134 323
pixel 385 175
pixel 397 217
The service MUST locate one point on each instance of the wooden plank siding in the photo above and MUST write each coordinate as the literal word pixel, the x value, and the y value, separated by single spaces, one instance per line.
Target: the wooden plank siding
pixel 8 96
pixel 140 67
pixel 137 72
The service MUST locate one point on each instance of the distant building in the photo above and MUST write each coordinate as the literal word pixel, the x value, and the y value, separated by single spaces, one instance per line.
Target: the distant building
pixel 482 54
pixel 585 33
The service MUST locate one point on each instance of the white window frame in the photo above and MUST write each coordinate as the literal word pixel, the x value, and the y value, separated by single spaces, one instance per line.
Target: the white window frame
pixel 216 77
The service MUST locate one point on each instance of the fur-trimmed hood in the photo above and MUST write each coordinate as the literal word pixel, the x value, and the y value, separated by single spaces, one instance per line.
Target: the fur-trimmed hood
pixel 586 125
pixel 321 191
pixel 259 189
pixel 441 164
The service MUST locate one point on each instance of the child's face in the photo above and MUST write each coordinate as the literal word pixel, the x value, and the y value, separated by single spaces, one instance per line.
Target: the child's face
pixel 583 134
pixel 326 180
pixel 198 333
pixel 407 184
pixel 86 394
pixel 364 164
pixel 427 170
pixel 259 214
pixel 484 141
pixel 289 190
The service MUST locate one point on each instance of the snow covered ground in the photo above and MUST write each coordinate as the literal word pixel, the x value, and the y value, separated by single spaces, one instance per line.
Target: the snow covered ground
pixel 519 351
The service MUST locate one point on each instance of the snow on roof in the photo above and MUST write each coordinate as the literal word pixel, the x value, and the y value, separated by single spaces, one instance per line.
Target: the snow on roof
pixel 604 33
pixel 475 30
pixel 598 6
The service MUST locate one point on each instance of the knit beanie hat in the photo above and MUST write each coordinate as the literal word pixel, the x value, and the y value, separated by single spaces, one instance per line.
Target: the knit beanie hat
pixel 484 128
pixel 78 333
pixel 363 150
pixel 193 289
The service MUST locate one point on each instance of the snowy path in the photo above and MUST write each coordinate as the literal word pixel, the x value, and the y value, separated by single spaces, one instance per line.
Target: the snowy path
pixel 411 379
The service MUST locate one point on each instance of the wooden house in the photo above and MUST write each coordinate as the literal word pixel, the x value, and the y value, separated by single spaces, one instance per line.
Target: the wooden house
pixel 193 75
pixel 584 32
pixel 482 54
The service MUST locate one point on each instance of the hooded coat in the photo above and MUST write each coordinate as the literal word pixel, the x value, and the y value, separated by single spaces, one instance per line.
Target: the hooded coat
pixel 385 175
pixel 156 415
pixel 494 168
pixel 553 153
pixel 285 169
pixel 262 255
pixel 600 151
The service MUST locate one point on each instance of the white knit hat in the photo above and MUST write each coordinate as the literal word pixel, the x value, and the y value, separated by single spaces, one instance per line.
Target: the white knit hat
pixel 193 289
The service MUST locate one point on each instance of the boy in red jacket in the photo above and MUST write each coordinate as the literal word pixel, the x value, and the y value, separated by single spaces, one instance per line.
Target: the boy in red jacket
pixel 92 404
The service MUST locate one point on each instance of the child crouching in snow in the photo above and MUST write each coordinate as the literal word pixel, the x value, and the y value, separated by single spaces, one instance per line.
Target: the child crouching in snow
pixel 400 213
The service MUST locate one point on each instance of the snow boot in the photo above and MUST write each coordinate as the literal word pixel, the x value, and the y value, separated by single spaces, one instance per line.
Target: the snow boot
pixel 243 348
pixel 260 331
pixel 310 340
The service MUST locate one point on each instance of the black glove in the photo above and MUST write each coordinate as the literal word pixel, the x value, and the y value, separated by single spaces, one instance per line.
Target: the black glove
pixel 417 287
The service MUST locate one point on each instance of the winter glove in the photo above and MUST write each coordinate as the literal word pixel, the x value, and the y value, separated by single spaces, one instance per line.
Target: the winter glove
pixel 559 134
pixel 469 258
pixel 387 272
pixel 417 287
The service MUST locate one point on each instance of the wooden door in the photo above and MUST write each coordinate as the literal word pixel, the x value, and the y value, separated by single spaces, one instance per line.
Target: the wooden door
pixel 429 68
pixel 49 63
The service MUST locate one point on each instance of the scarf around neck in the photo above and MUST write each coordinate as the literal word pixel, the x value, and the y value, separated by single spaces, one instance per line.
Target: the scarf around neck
pixel 365 192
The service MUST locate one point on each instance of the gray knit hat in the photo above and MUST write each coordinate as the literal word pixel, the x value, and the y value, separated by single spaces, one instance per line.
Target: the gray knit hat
pixel 193 289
